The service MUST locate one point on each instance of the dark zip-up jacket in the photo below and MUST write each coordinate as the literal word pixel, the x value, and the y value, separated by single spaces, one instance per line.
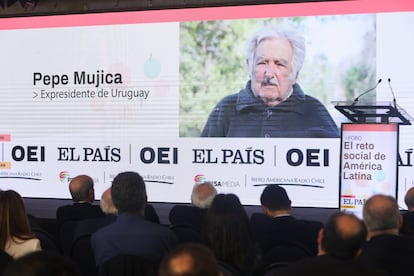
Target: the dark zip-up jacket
pixel 244 115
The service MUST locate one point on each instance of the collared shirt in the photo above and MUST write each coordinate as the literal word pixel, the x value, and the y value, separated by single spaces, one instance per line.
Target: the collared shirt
pixel 282 215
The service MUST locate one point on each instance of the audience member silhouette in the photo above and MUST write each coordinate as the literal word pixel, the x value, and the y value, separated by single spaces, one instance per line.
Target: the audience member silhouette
pixel 89 226
pixel 42 263
pixel 106 203
pixel 385 249
pixel 108 207
pixel 150 214
pixel 82 191
pixel 16 238
pixel 407 226
pixel 278 225
pixel 131 233
pixel 339 242
pixel 202 196
pixel 189 259
pixel 227 233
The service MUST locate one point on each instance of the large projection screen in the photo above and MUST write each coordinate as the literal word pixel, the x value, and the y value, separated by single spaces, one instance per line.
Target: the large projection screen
pixel 98 94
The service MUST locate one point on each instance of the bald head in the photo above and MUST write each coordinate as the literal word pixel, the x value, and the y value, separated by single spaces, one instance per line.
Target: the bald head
pixel 342 236
pixel 409 199
pixel 106 204
pixel 189 259
pixel 182 264
pixel 349 225
pixel 81 188
pixel 203 194
pixel 381 214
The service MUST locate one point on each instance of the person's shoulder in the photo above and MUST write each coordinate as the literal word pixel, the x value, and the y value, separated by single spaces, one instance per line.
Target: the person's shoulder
pixel 36 243
pixel 152 229
pixel 311 223
pixel 91 225
pixel 226 102
pixel 186 208
pixel 408 215
pixel 104 231
pixel 257 217
pixel 260 223
pixel 387 243
pixel 312 101
pixel 33 243
pixel 327 265
pixel 88 210
pixel 62 210
pixel 180 207
pixel 307 99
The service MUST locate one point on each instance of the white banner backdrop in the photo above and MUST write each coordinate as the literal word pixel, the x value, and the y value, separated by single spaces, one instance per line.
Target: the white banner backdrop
pixel 101 99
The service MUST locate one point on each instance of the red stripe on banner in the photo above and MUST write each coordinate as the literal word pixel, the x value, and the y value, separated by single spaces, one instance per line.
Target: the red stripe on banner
pixel 216 13
pixel 5 137
pixel 348 196
pixel 370 127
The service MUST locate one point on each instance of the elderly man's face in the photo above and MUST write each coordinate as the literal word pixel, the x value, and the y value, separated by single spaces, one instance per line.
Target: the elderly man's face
pixel 272 65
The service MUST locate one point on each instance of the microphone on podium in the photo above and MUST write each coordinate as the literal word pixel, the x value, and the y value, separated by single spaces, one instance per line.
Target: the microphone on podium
pixel 365 92
pixel 393 95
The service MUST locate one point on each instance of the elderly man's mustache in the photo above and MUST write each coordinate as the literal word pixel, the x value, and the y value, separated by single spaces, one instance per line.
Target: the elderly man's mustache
pixel 269 80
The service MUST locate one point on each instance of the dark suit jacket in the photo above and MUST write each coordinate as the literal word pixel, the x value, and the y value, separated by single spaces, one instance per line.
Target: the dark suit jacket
pixel 407 227
pixel 68 217
pixel 151 214
pixel 132 234
pixel 78 211
pixel 326 265
pixel 187 214
pixel 391 253
pixel 269 231
pixel 90 226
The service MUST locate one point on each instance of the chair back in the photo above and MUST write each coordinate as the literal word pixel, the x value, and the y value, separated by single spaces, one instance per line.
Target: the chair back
pixel 66 234
pixel 286 252
pixel 128 265
pixel 47 242
pixel 227 270
pixel 272 269
pixel 82 254
pixel 186 233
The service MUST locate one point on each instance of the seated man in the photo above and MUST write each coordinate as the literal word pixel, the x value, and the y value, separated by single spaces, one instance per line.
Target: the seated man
pixel 407 226
pixel 189 259
pixel 339 242
pixel 201 198
pixel 83 195
pixel 277 225
pixel 68 216
pixel 131 233
pixel 385 249
pixel 89 226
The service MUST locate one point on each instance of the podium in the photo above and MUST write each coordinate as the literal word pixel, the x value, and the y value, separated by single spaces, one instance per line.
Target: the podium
pixel 381 112
pixel 369 152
